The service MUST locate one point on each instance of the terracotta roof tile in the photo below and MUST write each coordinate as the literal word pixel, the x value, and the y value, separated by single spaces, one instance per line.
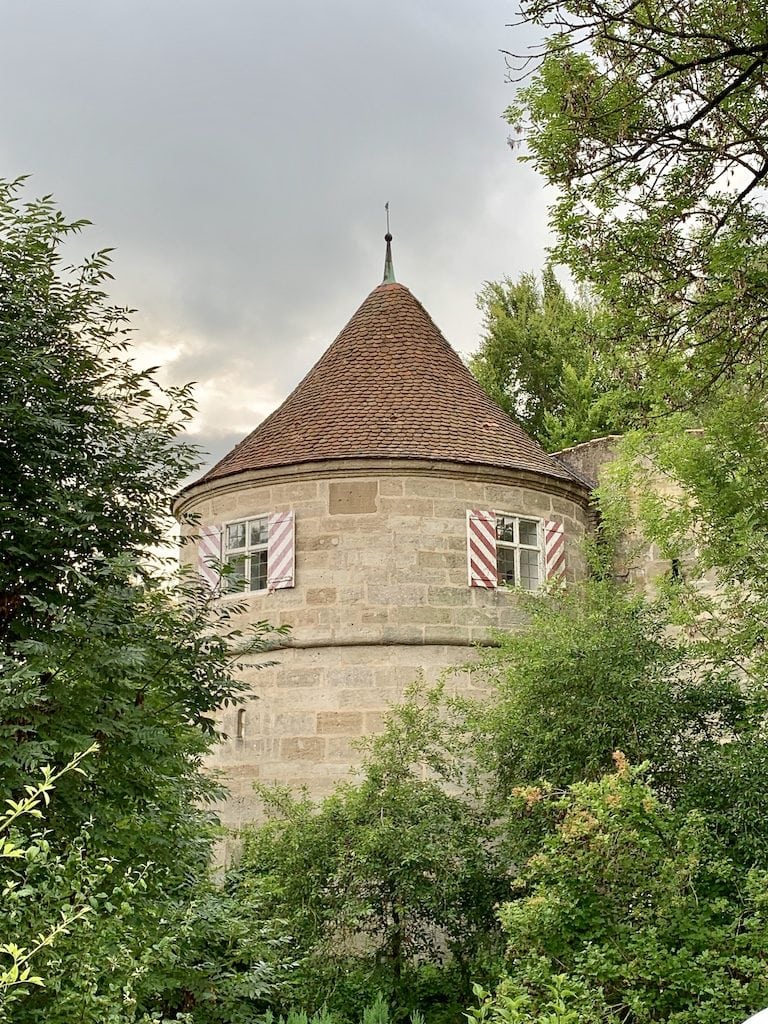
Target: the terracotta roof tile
pixel 390 386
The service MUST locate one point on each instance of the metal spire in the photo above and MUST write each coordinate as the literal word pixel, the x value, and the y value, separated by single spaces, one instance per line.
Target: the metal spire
pixel 389 270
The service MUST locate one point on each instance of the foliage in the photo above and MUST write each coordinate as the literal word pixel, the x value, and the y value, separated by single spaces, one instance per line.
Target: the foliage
pixel 89 449
pixel 541 360
pixel 387 883
pixel 375 1013
pixel 98 641
pixel 16 977
pixel 559 1001
pixel 699 497
pixel 141 668
pixel 651 122
pixel 597 653
pixel 631 910
pixel 198 958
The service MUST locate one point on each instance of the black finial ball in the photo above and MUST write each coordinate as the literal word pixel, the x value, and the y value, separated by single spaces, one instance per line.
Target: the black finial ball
pixel 387 237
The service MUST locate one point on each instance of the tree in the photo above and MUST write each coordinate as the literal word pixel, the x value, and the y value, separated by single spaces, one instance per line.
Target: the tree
pixel 598 653
pixel 16 973
pixel 389 884
pixel 540 359
pixel 630 911
pixel 651 122
pixel 89 446
pixel 99 641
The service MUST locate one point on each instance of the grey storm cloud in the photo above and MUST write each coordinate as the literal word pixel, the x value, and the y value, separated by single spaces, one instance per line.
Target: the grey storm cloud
pixel 238 155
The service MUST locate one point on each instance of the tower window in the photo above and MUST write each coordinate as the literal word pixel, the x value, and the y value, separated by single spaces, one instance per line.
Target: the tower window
pixel 518 551
pixel 245 550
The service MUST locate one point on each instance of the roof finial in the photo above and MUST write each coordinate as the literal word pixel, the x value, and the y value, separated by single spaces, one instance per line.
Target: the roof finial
pixel 389 270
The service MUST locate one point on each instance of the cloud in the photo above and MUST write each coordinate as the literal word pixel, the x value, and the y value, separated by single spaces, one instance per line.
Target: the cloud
pixel 239 156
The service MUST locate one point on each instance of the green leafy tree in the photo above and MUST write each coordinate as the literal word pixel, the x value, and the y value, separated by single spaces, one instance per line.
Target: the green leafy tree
pixel 540 359
pixel 595 670
pixel 99 642
pixel 89 447
pixel 631 911
pixel 712 521
pixel 390 883
pixel 17 853
pixel 651 123
pixel 140 668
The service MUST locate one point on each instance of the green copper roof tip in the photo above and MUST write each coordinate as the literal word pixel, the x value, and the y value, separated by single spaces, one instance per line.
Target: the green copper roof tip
pixel 389 270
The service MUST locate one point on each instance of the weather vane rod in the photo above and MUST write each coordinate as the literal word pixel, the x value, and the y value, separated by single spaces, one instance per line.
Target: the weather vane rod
pixel 389 270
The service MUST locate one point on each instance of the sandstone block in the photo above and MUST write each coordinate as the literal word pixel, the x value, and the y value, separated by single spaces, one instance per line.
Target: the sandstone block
pixel 390 486
pixel 292 493
pixel 374 616
pixel 293 724
pixel 455 596
pixel 302 748
pixel 352 497
pixel 428 487
pixel 408 506
pixel 339 723
pixel 402 634
pixel 248 752
pixel 298 677
pixel 451 510
pixel 440 559
pixel 404 595
pixel 225 507
pixel 321 541
pixel 374 722
pixel 504 499
pixel 422 614
pixel 562 507
pixel 354 670
pixel 342 749
pixel 321 595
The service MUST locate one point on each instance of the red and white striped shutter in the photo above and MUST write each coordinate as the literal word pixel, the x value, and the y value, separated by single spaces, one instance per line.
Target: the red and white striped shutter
pixel 481 549
pixel 554 550
pixel 281 550
pixel 209 556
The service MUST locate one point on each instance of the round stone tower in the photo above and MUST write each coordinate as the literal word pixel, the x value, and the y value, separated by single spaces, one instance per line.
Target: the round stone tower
pixel 379 512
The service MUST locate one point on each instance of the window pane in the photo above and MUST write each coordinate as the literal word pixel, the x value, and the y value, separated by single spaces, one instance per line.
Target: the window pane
pixel 235 536
pixel 505 564
pixel 258 531
pixel 529 533
pixel 237 580
pixel 505 528
pixel 529 569
pixel 259 570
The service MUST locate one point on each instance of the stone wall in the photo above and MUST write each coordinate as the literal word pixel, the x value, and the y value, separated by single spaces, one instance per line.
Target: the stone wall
pixel 310 709
pixel 639 561
pixel 381 593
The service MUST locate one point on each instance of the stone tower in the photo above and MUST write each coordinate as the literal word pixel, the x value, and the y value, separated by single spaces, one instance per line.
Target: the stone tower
pixel 376 512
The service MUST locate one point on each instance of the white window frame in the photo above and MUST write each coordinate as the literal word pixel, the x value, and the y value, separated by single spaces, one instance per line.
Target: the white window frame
pixel 516 547
pixel 228 555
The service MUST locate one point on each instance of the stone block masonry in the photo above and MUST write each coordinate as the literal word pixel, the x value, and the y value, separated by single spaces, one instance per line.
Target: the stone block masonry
pixel 381 597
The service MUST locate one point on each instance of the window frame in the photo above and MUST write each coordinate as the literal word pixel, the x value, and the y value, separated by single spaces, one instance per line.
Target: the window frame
pixel 229 554
pixel 516 547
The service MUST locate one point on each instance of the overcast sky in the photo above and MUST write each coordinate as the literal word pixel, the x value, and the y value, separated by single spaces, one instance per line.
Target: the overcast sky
pixel 238 155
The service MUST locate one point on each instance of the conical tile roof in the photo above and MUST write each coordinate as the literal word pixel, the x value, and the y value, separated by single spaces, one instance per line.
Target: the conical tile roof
pixel 391 387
